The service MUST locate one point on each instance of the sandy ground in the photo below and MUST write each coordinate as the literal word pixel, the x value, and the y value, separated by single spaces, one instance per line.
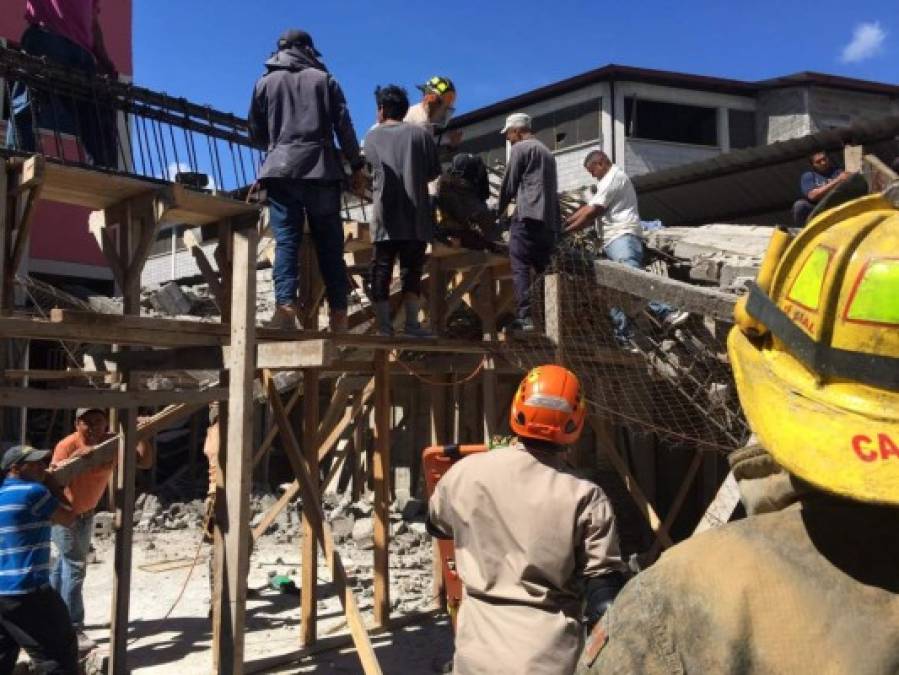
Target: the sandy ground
pixel 181 643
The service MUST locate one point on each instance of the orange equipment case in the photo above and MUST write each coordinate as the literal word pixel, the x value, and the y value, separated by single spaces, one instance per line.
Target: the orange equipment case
pixel 436 461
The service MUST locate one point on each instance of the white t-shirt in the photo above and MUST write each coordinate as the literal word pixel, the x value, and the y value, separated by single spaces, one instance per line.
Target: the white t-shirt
pixel 616 194
pixel 419 116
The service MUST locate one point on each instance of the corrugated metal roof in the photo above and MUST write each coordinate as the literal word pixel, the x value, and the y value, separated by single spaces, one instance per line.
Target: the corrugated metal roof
pixel 756 185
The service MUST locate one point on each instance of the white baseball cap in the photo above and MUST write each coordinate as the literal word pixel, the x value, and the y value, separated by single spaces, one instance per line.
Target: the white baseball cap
pixel 517 121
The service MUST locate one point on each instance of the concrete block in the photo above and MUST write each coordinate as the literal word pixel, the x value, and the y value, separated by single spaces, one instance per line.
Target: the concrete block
pixel 170 299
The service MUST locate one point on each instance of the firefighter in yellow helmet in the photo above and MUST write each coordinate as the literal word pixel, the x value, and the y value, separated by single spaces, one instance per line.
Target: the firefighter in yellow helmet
pixel 532 540
pixel 809 583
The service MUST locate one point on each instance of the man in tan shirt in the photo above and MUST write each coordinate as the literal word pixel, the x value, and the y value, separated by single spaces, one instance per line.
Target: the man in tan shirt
pixel 532 540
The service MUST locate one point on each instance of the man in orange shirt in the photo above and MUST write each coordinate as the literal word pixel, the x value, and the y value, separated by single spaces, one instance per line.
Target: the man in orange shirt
pixel 84 492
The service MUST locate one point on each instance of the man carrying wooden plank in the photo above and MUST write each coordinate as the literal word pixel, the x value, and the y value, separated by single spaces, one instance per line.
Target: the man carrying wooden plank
pixel 532 540
pixel 32 615
pixel 403 159
pixel 297 109
pixel 809 582
pixel 73 540
pixel 621 231
pixel 532 183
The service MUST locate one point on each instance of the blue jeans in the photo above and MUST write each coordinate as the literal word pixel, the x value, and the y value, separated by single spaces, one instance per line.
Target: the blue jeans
pixel 94 124
pixel 628 250
pixel 291 202
pixel 73 544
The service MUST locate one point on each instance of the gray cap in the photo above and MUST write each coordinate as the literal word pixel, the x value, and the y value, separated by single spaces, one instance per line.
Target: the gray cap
pixel 21 454
pixel 81 412
pixel 517 121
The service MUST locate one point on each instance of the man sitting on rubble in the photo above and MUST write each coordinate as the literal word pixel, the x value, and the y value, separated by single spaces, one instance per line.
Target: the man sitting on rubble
pixel 815 184
pixel 463 213
pixel 403 158
pixel 532 540
pixel 66 33
pixel 84 491
pixel 32 615
pixel 614 209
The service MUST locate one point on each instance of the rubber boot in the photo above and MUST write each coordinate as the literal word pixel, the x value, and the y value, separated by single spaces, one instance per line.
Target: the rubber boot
pixel 337 320
pixel 413 328
pixel 382 313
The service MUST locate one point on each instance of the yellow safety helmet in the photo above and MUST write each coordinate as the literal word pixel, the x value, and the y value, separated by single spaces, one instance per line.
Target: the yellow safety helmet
pixel 815 351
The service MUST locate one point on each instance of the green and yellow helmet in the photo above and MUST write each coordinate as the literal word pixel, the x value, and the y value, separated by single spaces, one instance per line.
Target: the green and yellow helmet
pixel 815 351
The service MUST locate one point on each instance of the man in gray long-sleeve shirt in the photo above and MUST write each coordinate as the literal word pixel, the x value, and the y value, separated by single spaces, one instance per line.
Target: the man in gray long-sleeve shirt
pixel 531 181
pixel 296 111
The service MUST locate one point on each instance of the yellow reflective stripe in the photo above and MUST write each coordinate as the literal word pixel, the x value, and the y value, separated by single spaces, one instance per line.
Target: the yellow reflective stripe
pixel 808 284
pixel 876 298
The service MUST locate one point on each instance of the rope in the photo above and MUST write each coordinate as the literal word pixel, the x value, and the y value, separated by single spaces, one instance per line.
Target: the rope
pixel 481 365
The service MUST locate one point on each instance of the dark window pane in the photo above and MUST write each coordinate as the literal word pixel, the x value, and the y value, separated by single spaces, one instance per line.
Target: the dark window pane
pixel 742 128
pixel 659 121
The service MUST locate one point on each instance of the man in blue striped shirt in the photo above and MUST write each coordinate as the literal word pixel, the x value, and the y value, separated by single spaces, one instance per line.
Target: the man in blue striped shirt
pixel 33 616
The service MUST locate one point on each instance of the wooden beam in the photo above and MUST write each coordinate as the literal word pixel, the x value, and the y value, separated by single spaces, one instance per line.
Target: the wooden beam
pixel 272 433
pixel 51 399
pixel 381 473
pixel 469 281
pixel 722 506
pixel 323 533
pixel 6 279
pixel 486 297
pixel 694 299
pixel 633 488
pixel 309 572
pixel 230 619
pixel 677 504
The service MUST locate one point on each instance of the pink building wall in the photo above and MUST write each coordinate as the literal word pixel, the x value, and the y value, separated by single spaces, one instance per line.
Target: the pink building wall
pixel 59 231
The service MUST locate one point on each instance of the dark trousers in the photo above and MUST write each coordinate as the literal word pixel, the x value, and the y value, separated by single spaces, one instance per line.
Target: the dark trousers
pixel 38 623
pixel 291 202
pixel 531 245
pixel 411 255
pixel 94 124
pixel 802 209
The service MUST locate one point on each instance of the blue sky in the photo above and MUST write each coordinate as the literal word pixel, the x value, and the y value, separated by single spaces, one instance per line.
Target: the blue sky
pixel 211 51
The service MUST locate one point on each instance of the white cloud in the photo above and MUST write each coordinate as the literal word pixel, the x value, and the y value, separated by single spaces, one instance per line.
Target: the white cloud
pixel 867 41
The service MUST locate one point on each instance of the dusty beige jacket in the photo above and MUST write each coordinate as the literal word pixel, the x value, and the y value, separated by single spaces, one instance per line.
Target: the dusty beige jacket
pixel 527 534
pixel 810 589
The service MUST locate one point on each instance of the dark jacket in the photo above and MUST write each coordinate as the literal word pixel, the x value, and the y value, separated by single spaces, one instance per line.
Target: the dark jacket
pixel 296 110
pixel 531 181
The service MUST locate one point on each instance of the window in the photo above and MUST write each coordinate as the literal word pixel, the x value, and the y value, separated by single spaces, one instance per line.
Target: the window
pixel 875 298
pixel 659 121
pixel 567 127
pixel 742 128
pixel 806 290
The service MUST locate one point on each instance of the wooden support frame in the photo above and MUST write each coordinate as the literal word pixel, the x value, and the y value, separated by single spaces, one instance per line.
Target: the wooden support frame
pixel 381 475
pixel 232 522
pixel 309 572
pixel 20 188
pixel 677 504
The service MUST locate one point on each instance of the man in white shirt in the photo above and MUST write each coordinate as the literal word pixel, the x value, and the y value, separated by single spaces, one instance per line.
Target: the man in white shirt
pixel 614 209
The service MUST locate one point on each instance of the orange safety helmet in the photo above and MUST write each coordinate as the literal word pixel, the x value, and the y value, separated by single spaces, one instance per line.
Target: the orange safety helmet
pixel 548 406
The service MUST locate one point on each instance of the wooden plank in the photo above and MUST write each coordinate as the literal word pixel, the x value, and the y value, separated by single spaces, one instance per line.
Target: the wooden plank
pixel 210 276
pixel 722 506
pixel 381 474
pixel 52 399
pixel 6 287
pixel 180 205
pixel 309 572
pixel 272 433
pixel 229 646
pixel 633 488
pixel 694 299
pixel 469 281
pixel 678 503
pixel 315 353
pixel 124 527
pixel 487 296
pixel 27 195
pixel 96 190
pixel 323 533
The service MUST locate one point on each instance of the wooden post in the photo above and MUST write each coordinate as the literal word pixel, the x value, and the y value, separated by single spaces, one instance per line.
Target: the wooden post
pixel 5 239
pixel 236 461
pixel 310 551
pixel 487 296
pixel 358 459
pixel 381 473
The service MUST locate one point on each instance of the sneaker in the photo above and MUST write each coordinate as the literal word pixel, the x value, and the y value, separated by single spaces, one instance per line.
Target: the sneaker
pixel 85 644
pixel 417 331
pixel 525 325
pixel 284 318
pixel 627 346
pixel 675 318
